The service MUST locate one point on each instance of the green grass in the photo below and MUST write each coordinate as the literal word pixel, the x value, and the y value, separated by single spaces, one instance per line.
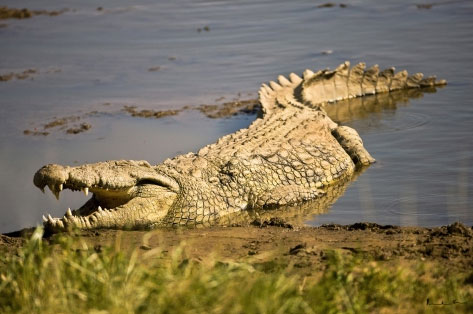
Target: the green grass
pixel 71 277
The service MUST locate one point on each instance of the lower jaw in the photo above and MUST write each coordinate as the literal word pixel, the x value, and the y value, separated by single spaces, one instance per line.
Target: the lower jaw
pixel 88 216
pixel 99 219
pixel 137 213
pixel 83 218
pixel 71 223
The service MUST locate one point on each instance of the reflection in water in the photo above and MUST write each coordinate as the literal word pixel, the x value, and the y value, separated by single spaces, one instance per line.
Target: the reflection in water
pixel 459 190
pixel 363 108
pixel 295 214
pixel 369 106
pixel 375 108
pixel 408 205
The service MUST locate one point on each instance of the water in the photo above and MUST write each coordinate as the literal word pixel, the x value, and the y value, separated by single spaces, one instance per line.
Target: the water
pixel 88 57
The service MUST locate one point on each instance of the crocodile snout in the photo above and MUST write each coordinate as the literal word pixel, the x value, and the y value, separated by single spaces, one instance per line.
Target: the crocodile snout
pixel 51 174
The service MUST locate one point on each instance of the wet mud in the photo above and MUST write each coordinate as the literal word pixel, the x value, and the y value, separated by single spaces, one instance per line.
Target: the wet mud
pixel 26 74
pixel 29 73
pixel 231 108
pixel 331 5
pixel 81 128
pixel 61 124
pixel 306 248
pixel 213 111
pixel 147 113
pixel 14 13
pixel 205 28
pixel 71 125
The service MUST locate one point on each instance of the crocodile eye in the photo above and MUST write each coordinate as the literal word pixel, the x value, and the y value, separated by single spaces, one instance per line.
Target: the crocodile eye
pixel 147 181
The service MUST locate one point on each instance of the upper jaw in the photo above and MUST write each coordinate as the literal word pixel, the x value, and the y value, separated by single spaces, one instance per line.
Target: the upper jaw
pixel 110 175
pixel 115 184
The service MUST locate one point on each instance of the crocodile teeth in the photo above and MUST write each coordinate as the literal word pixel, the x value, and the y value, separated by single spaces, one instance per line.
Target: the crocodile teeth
pixel 86 191
pixel 100 209
pixel 60 223
pixel 68 213
pixel 44 219
pixel 54 190
pixel 87 223
pixel 61 186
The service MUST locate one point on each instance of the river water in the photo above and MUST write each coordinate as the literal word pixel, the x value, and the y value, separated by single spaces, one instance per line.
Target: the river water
pixel 160 55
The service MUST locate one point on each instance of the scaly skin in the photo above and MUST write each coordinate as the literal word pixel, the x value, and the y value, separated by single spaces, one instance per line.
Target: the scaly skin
pixel 292 154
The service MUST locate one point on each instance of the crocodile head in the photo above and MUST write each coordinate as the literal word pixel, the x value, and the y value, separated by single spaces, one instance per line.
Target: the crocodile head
pixel 126 194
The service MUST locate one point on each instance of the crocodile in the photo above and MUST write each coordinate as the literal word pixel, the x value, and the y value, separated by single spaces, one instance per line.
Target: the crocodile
pixel 292 153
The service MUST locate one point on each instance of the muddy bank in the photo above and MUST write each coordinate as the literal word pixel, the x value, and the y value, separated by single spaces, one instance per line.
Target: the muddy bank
pixel 213 111
pixel 19 76
pixel 14 13
pixel 71 125
pixel 306 248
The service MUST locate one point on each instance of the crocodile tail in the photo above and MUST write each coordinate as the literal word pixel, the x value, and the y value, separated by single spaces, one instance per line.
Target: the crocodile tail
pixel 327 86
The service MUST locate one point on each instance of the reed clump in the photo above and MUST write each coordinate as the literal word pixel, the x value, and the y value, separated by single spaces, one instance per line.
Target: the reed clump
pixel 70 276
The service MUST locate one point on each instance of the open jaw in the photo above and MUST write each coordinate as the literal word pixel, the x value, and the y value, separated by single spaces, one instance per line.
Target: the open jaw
pixel 125 195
